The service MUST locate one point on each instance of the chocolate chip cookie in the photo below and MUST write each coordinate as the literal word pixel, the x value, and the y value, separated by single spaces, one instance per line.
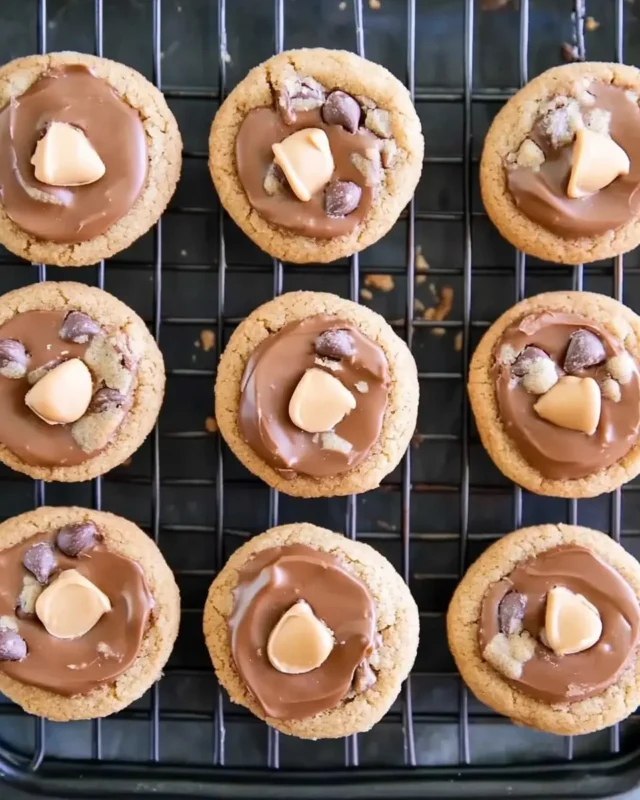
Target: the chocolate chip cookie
pixel 315 154
pixel 317 395
pixel 90 157
pixel 322 651
pixel 560 168
pixel 544 628
pixel 81 381
pixel 89 612
pixel 555 388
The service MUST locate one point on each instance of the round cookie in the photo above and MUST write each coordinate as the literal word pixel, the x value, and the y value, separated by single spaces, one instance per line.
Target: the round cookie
pixel 370 115
pixel 123 368
pixel 546 457
pixel 123 654
pixel 344 566
pixel 386 407
pixel 550 692
pixel 543 119
pixel 156 153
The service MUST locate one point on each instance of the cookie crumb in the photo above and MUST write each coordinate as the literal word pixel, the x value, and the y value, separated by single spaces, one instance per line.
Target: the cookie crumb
pixel 442 310
pixel 342 5
pixel 420 279
pixel 422 265
pixel 457 341
pixel 418 306
pixel 384 283
pixel 211 425
pixel 386 526
pixel 375 4
pixel 570 53
pixel 438 331
pixel 366 294
pixel 591 24
pixel 208 339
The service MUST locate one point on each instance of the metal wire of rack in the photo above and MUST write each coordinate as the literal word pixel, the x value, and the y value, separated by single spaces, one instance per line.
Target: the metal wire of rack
pixel 413 770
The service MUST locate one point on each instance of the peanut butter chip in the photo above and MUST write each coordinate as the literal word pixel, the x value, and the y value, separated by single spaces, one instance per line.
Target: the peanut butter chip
pixel 572 623
pixel 300 642
pixel 65 157
pixel 71 605
pixel 573 403
pixel 319 401
pixel 306 160
pixel 597 161
pixel 63 394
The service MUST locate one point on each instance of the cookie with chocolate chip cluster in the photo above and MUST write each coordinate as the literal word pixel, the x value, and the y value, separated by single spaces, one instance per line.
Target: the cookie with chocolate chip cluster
pixel 555 388
pixel 90 155
pixel 560 168
pixel 81 381
pixel 315 154
pixel 89 612
pixel 312 632
pixel 317 395
pixel 545 627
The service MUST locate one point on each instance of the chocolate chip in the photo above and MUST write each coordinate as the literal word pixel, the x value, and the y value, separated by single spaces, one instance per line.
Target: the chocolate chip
pixel 341 198
pixel 13 359
pixel 78 327
pixel 341 109
pixel 105 399
pixel 73 539
pixel 363 678
pixel 522 364
pixel 584 350
pixel 511 612
pixel 334 343
pixel 12 646
pixel 40 560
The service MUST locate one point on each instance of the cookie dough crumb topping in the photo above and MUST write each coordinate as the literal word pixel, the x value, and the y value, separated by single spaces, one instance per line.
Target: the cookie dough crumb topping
pixel 561 626
pixel 578 171
pixel 319 147
pixel 66 385
pixel 568 393
pixel 66 599
pixel 303 631
pixel 313 397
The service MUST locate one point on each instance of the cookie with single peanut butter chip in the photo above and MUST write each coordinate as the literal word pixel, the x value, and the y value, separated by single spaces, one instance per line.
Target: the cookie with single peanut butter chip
pixel 81 381
pixel 560 168
pixel 312 632
pixel 555 389
pixel 90 155
pixel 317 395
pixel 315 154
pixel 545 629
pixel 89 612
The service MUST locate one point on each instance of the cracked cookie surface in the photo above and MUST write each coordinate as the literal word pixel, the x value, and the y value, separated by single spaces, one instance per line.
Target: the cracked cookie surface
pixel 397 625
pixel 399 418
pixel 387 111
pixel 145 398
pixel 126 539
pixel 507 143
pixel 621 322
pixel 164 159
pixel 498 561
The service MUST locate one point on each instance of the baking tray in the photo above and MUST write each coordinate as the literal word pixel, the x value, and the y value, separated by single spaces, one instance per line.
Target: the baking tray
pixel 195 276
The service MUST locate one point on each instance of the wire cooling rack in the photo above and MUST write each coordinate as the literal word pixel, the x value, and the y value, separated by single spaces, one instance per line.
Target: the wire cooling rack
pixel 440 277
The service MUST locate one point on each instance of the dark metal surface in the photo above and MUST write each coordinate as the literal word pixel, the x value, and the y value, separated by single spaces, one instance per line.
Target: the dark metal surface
pixel 435 514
